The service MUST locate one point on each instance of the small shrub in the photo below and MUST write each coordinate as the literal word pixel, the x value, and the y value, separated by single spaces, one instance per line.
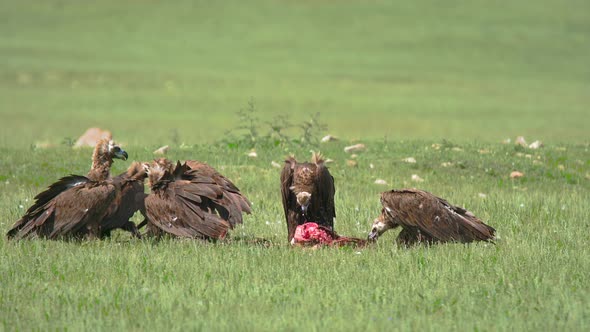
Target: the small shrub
pixel 247 133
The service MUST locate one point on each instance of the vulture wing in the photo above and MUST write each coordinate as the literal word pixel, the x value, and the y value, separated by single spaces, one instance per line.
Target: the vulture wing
pixel 289 199
pixel 325 196
pixel 44 205
pixel 472 228
pixel 232 197
pixel 79 211
pixel 184 209
pixel 70 207
pixel 129 199
pixel 435 217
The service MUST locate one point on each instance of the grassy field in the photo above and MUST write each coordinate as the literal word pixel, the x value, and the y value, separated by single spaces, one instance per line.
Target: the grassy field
pixel 429 69
pixel 535 277
pixel 441 82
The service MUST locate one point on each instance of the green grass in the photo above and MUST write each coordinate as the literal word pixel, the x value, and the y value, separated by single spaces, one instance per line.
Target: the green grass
pixel 455 70
pixel 535 277
pixel 399 77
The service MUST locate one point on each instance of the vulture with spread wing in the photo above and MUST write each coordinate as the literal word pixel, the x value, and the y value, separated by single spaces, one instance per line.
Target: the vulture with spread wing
pixel 191 200
pixel 428 219
pixel 308 193
pixel 73 206
pixel 128 200
pixel 236 202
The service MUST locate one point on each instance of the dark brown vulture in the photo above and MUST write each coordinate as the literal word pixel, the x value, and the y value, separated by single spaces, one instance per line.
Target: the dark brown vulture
pixel 191 202
pixel 73 206
pixel 129 199
pixel 308 193
pixel 425 218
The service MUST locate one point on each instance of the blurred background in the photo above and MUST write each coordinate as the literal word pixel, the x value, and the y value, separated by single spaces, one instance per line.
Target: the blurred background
pixel 153 72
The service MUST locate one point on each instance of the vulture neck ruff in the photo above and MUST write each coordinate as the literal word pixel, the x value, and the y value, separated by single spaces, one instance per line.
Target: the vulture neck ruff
pixel 101 162
pixel 158 177
pixel 136 171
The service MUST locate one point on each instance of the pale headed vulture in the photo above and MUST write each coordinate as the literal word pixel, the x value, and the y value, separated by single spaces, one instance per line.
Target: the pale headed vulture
pixel 130 198
pixel 73 206
pixel 308 193
pixel 425 218
pixel 191 202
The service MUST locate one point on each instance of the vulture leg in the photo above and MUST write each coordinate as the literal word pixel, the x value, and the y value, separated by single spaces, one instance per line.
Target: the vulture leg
pixel 143 223
pixel 92 232
pixel 130 227
pixel 409 237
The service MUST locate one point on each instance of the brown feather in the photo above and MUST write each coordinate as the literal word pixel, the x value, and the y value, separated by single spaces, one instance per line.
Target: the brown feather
pixel 72 212
pixel 289 199
pixel 229 189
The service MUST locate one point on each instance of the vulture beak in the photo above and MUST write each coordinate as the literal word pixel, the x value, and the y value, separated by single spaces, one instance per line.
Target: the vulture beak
pixel 373 235
pixel 121 154
pixel 303 199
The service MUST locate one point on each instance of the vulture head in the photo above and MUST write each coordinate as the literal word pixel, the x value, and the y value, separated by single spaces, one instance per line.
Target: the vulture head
pixel 109 149
pixel 155 173
pixel 116 152
pixel 303 186
pixel 385 221
pixel 165 164
pixel 137 171
pixel 303 199
pixel 102 158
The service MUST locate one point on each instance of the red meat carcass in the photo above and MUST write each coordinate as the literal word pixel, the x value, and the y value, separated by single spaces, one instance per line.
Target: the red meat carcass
pixel 312 234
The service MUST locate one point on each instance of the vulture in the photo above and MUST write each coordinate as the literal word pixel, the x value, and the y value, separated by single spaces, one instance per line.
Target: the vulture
pixel 191 200
pixel 308 193
pixel 73 206
pixel 425 218
pixel 129 199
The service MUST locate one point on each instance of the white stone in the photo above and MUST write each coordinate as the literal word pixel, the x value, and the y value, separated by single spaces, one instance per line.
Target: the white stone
pixel 355 148
pixel 536 145
pixel 381 182
pixel 416 178
pixel 91 136
pixel 162 150
pixel 520 141
pixel 329 138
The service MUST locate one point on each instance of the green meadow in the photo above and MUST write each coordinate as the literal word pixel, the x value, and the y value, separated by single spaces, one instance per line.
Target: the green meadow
pixel 442 82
